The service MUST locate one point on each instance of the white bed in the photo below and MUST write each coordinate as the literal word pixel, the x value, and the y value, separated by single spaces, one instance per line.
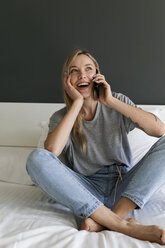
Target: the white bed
pixel 28 218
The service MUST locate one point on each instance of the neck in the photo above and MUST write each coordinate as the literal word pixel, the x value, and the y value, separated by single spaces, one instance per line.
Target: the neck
pixel 89 109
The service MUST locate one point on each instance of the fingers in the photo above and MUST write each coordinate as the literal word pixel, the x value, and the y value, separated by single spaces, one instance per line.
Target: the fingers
pixel 69 89
pixel 66 81
pixel 100 79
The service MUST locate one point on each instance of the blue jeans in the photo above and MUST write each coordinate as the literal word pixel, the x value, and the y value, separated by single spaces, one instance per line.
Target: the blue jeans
pixel 84 194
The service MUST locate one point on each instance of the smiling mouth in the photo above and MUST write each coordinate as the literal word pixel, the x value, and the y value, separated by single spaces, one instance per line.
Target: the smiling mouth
pixel 83 85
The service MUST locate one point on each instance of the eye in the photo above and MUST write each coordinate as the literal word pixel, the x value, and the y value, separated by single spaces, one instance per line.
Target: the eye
pixel 73 71
pixel 89 68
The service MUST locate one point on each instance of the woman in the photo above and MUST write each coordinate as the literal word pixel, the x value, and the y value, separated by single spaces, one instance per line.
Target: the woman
pixel 91 132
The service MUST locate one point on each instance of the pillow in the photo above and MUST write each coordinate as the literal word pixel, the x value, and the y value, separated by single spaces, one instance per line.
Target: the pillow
pixel 140 142
pixel 13 165
pixel 44 133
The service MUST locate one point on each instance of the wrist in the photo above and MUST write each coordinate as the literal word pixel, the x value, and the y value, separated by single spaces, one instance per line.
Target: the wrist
pixel 78 102
pixel 111 102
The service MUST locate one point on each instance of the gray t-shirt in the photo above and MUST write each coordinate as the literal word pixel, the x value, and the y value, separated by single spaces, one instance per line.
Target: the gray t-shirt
pixel 107 141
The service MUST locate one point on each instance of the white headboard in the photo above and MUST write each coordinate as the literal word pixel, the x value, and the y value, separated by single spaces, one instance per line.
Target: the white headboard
pixel 19 122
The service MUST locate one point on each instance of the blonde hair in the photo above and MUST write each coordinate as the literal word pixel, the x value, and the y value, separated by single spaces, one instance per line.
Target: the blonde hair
pixel 77 130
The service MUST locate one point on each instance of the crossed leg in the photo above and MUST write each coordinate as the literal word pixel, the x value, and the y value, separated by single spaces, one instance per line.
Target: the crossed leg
pixel 104 218
pixel 153 165
pixel 123 207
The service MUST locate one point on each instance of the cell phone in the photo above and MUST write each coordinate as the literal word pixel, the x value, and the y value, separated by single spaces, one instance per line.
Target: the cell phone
pixel 96 87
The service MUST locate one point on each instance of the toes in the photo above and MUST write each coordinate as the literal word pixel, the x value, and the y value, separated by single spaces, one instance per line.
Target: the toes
pixel 162 237
pixel 91 226
pixel 84 226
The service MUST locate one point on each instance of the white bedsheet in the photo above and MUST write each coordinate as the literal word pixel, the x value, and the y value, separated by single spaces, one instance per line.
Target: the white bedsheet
pixel 29 219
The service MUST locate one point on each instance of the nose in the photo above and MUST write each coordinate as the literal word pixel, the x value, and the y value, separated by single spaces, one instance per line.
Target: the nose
pixel 82 74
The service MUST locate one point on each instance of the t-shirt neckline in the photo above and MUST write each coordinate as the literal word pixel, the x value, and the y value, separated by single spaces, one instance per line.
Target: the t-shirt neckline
pixel 96 114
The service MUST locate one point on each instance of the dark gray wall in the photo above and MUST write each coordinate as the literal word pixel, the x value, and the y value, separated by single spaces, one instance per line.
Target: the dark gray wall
pixel 127 37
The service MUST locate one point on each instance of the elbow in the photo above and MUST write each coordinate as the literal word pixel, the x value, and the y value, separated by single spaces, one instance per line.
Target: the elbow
pixel 161 131
pixel 158 133
pixel 52 149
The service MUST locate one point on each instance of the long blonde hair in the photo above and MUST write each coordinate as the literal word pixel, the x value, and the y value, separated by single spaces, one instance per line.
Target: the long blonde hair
pixel 77 130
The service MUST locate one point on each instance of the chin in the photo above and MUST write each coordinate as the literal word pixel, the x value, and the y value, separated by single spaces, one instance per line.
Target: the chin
pixel 87 97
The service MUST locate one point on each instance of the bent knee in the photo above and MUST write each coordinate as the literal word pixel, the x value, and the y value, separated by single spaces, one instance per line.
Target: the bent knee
pixel 33 163
pixel 39 157
pixel 36 156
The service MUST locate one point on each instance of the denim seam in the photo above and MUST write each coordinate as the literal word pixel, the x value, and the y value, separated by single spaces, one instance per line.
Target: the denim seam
pixel 92 210
pixel 134 199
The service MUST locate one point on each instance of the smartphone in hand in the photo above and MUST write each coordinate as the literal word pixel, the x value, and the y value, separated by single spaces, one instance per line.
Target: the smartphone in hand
pixel 96 87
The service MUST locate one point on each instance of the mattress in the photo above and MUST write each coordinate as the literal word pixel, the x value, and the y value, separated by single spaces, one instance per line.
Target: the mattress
pixel 29 219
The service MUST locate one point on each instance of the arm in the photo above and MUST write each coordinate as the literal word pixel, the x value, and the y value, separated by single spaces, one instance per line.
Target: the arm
pixel 57 139
pixel 146 121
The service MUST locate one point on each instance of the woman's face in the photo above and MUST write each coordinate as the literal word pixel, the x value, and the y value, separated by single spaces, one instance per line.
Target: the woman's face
pixel 82 69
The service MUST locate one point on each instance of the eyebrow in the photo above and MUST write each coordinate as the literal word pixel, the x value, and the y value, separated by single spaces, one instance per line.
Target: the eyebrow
pixel 76 66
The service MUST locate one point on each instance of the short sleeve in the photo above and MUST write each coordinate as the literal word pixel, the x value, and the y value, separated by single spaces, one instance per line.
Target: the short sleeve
pixel 129 124
pixel 56 118
pixel 53 122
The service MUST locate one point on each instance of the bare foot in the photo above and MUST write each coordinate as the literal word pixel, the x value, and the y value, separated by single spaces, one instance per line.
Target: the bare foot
pixel 132 220
pixel 91 226
pixel 149 233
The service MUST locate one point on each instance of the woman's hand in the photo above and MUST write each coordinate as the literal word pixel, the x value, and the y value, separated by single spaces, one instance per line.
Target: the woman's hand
pixel 70 90
pixel 105 93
